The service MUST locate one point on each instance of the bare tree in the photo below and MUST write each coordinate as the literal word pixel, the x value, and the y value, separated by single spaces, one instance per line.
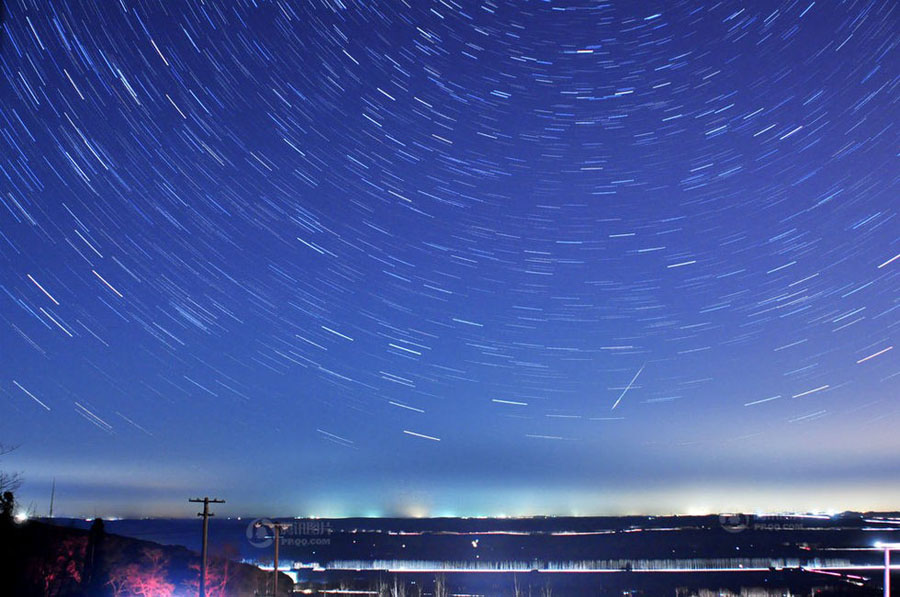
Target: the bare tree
pixel 399 588
pixel 8 481
pixel 382 588
pixel 440 586
pixel 146 578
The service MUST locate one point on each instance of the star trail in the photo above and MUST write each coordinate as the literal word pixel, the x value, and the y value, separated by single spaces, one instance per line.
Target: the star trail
pixel 502 257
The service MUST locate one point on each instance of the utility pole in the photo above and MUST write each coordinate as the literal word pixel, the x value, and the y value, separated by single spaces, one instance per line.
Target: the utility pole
pixel 205 514
pixel 276 529
pixel 52 495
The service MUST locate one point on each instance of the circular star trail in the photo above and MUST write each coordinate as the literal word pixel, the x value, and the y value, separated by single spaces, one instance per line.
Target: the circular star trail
pixel 494 257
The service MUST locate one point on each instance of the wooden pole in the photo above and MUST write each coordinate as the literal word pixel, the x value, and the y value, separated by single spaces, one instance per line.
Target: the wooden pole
pixel 205 514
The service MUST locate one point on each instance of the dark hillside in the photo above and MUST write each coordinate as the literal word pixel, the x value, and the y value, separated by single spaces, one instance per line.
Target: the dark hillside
pixel 42 559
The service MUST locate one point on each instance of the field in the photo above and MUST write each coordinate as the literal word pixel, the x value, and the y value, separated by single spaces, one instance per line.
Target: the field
pixel 649 555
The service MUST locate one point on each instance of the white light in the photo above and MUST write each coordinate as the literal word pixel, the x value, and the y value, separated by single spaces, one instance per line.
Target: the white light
pixel 21 517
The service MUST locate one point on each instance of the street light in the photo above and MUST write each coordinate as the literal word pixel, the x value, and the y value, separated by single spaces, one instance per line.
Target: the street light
pixel 887 547
pixel 277 527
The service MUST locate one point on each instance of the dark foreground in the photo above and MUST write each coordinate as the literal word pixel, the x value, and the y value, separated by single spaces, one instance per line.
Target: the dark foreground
pixel 675 555
pixel 38 559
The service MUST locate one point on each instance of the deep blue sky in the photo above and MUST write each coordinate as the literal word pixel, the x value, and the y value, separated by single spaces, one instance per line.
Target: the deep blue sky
pixel 339 258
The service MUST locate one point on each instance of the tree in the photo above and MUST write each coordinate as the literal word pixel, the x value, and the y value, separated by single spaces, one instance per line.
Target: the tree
pixel 58 571
pixel 149 578
pixel 440 586
pixel 219 572
pixel 95 560
pixel 399 588
pixel 7 506
pixel 381 588
pixel 225 577
pixel 9 484
pixel 395 589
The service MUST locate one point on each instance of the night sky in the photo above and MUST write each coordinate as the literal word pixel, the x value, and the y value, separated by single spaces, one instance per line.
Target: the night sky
pixel 450 258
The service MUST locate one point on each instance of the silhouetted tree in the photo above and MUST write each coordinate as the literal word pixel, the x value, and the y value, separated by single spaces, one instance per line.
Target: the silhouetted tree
pixel 224 577
pixel 7 506
pixel 9 483
pixel 58 571
pixel 95 560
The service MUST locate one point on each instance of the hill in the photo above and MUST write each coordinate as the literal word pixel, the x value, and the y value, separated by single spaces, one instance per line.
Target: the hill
pixel 37 558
